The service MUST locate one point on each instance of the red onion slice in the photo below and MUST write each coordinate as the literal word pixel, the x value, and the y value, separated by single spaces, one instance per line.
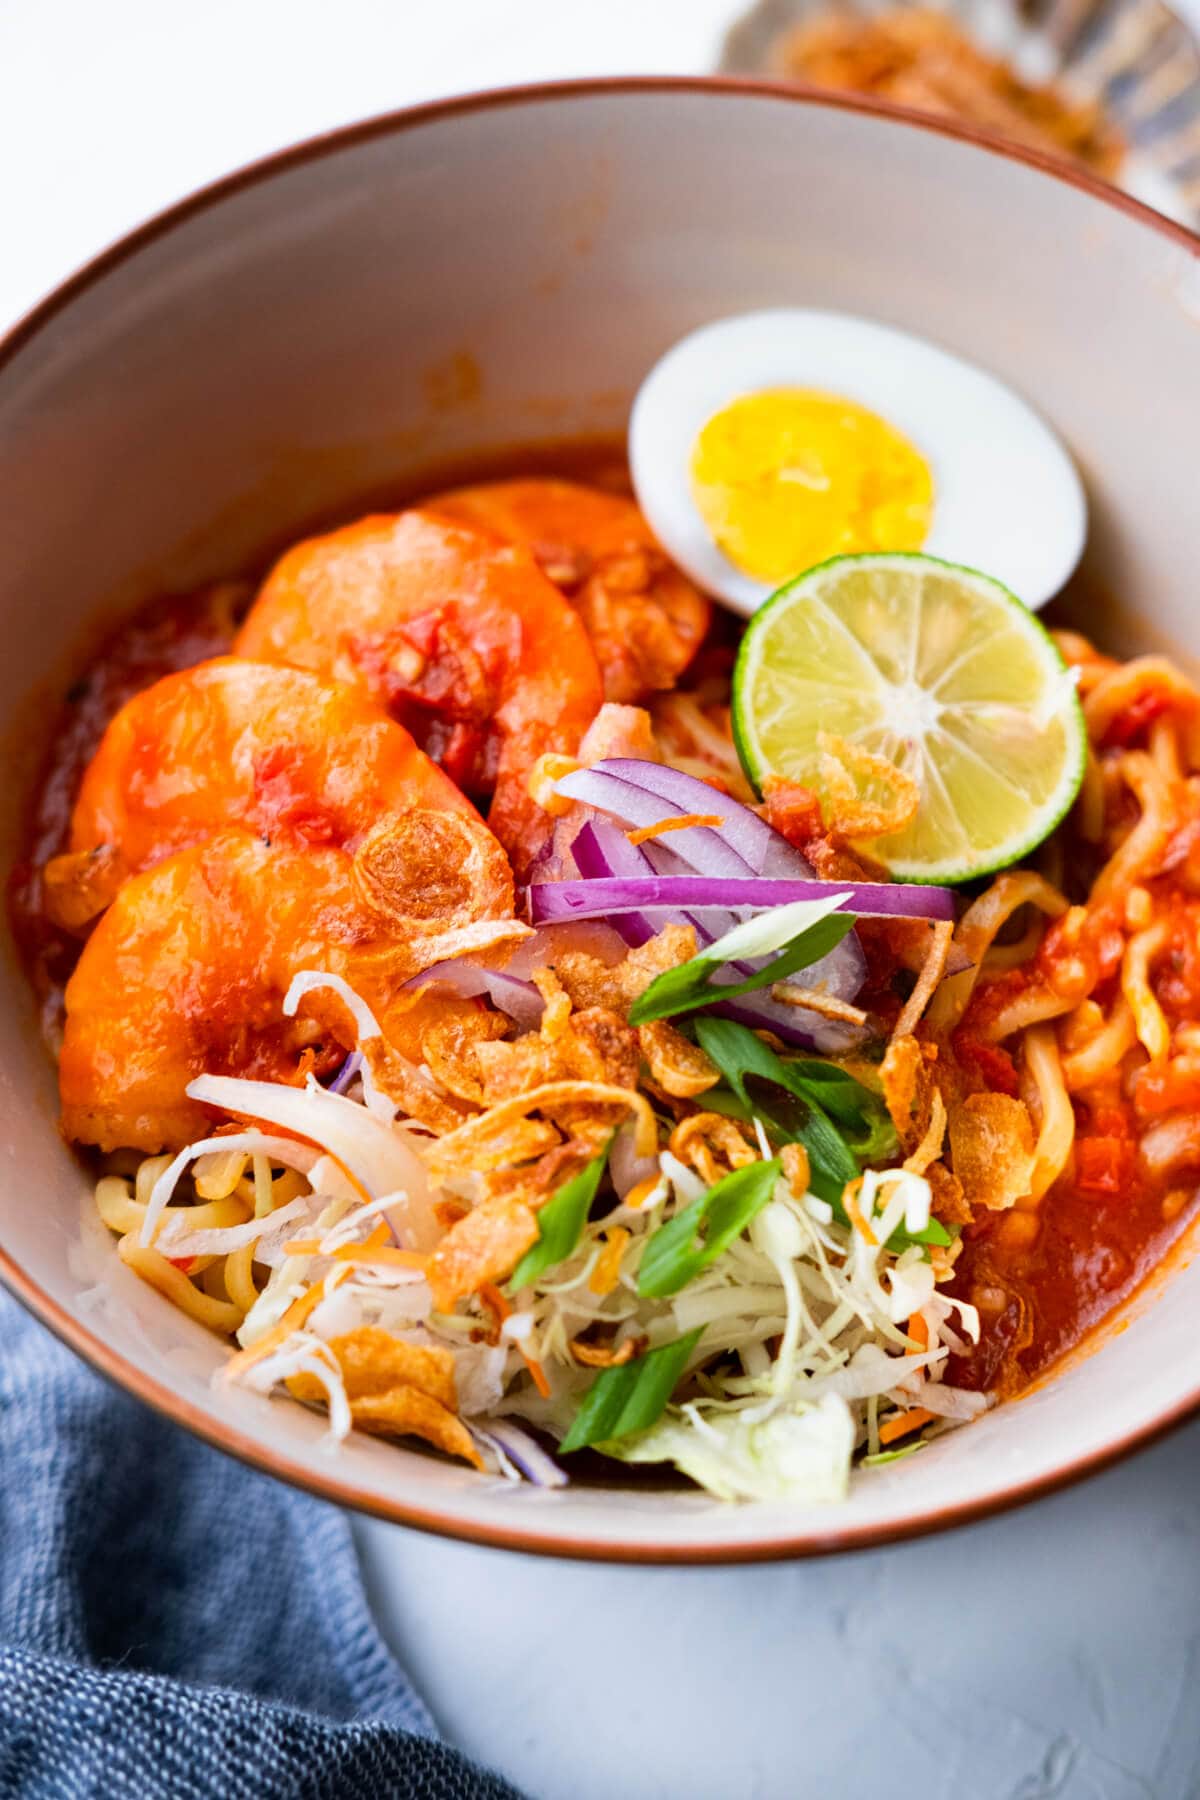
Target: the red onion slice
pixel 756 842
pixel 701 847
pixel 600 898
pixel 346 1073
pixel 605 853
pixel 763 849
pixel 601 851
pixel 519 999
pixel 644 793
pixel 523 1451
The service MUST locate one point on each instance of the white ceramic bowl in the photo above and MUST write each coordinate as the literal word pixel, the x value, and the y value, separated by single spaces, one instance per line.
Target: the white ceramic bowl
pixel 500 269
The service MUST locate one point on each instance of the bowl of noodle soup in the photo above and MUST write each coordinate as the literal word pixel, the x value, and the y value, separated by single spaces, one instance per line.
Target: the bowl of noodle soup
pixel 307 343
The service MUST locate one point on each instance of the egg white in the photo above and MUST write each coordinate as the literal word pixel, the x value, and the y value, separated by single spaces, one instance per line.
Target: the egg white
pixel 1008 499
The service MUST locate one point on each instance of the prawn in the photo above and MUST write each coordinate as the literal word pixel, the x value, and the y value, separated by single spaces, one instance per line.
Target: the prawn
pixel 462 638
pixel 646 620
pixel 232 742
pixel 186 972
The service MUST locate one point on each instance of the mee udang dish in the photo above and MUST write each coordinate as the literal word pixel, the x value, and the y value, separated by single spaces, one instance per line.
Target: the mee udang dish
pixel 525 1008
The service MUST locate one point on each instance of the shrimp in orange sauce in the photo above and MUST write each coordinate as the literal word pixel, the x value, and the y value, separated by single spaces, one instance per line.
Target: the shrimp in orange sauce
pixel 231 742
pixel 186 972
pixel 464 639
pixel 645 619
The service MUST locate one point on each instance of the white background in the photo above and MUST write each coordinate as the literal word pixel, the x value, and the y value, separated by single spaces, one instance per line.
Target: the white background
pixel 1055 1652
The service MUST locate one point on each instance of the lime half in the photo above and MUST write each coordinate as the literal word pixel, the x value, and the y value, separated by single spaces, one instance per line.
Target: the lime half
pixel 939 671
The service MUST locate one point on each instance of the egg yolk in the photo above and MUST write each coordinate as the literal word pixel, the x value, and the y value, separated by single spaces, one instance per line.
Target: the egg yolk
pixel 787 477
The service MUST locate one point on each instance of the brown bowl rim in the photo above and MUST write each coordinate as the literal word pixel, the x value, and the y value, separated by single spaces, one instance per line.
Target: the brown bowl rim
pixel 156 1394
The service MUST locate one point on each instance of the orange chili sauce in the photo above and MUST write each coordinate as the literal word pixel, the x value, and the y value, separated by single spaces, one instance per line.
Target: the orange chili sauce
pixel 1091 1251
pixel 1042 1280
pixel 1094 1243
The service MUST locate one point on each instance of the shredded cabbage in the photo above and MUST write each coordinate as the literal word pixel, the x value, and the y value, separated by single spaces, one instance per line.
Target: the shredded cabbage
pixel 801 1455
pixel 805 1320
pixel 380 1158
pixel 310 981
pixel 303 1354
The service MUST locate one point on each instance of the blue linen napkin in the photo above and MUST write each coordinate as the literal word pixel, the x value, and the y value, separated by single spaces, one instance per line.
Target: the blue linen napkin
pixel 174 1625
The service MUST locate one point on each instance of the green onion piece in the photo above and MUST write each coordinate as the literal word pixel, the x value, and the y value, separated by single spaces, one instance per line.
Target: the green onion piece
pixel 859 1112
pixel 739 1053
pixel 628 1399
pixel 934 1233
pixel 819 1089
pixel 560 1224
pixel 684 989
pixel 675 1254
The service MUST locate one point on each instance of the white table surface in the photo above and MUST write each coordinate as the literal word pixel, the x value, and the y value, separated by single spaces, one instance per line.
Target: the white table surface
pixel 1055 1652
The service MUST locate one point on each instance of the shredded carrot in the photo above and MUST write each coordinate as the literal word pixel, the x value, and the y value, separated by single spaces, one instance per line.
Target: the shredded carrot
pixel 296 1313
pixel 382 1253
pixel 348 1173
pixel 380 1233
pixel 496 1304
pixel 903 1423
pixel 603 1278
pixel 918 1330
pixel 682 822
pixel 376 1240
pixel 304 1068
pixel 360 1253
pixel 539 1374
pixel 855 1213
pixel 291 1321
pixel 638 1196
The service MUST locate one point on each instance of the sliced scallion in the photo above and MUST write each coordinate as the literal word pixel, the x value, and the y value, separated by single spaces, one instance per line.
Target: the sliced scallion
pixel 630 1398
pixel 560 1224
pixel 687 1244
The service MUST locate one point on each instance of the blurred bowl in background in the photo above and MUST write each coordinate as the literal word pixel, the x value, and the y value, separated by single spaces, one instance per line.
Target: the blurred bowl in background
pixel 1125 75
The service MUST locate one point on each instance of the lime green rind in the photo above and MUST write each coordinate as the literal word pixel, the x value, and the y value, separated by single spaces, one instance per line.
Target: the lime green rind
pixel 1048 815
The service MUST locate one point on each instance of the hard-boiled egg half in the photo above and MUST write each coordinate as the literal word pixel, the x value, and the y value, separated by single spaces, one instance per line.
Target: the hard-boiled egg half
pixel 766 443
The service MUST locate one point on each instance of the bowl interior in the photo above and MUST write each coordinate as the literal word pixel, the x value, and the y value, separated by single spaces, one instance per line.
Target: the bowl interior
pixel 497 271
